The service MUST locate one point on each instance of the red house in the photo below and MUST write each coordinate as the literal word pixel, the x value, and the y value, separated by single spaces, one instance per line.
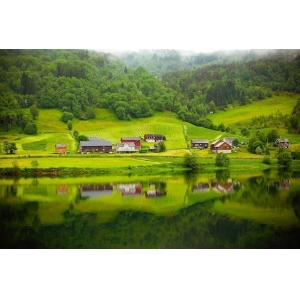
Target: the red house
pixel 135 140
pixel 219 146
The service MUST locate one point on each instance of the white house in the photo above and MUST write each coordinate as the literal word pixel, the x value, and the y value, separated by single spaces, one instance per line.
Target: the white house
pixel 126 147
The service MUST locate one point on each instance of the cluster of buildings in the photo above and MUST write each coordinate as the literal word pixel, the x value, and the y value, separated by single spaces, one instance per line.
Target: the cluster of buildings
pixel 126 145
pixel 217 146
pixel 134 144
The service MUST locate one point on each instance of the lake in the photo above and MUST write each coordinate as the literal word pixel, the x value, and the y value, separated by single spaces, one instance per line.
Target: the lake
pixel 187 211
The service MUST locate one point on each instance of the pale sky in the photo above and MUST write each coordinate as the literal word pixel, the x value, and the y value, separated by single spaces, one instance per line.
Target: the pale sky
pixel 202 25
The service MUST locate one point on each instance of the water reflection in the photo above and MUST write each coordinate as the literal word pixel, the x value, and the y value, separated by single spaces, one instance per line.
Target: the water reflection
pixel 94 191
pixel 220 210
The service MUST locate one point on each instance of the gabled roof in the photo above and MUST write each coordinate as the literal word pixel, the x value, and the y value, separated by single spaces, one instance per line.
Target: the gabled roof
pixel 199 141
pixel 130 144
pixel 60 145
pixel 215 142
pixel 282 140
pixel 228 140
pixel 96 143
pixel 131 138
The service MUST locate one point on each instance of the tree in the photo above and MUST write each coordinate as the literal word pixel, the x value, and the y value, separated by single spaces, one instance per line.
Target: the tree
pixel 82 138
pixel 222 160
pixel 75 134
pixel 70 125
pixel 9 147
pixel 245 132
pixel 34 164
pixel 161 147
pixel 272 136
pixel 258 150
pixel 284 159
pixel 121 113
pixel 66 116
pixel 30 128
pixel 34 111
pixel 190 160
pixel 235 142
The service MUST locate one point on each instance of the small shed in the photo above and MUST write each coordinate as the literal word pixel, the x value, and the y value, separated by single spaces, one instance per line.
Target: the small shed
pixel 153 137
pixel 61 148
pixel 220 146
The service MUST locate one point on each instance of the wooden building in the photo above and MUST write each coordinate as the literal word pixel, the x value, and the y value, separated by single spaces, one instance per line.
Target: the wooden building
pixel 152 137
pixel 61 148
pixel 95 145
pixel 201 144
pixel 220 146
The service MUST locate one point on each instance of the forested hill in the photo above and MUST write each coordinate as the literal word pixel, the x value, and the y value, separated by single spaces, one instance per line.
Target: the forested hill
pixel 158 62
pixel 77 81
pixel 74 81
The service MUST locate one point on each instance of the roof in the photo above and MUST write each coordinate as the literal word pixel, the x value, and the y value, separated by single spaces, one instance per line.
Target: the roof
pixel 130 144
pixel 199 141
pixel 219 144
pixel 60 145
pixel 215 142
pixel 228 140
pixel 282 140
pixel 131 138
pixel 96 143
pixel 154 134
pixel 93 138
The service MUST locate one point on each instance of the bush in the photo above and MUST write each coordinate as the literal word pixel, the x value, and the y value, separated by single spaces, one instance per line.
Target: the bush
pixel 66 117
pixel 190 160
pixel 266 160
pixel 284 159
pixel 30 128
pixel 295 155
pixel 222 160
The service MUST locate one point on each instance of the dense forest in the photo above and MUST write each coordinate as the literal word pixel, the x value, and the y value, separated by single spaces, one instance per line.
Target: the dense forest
pixel 77 81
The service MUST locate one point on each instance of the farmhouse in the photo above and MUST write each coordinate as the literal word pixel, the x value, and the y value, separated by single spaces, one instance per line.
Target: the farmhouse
pixel 98 145
pixel 126 147
pixel 153 137
pixel 201 144
pixel 284 143
pixel 135 140
pixel 61 148
pixel 219 146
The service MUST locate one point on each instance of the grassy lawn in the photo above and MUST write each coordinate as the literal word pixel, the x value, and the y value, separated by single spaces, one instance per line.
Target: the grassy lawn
pixel 283 104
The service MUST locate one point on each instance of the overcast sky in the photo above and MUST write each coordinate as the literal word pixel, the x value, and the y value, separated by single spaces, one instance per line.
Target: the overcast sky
pixel 115 24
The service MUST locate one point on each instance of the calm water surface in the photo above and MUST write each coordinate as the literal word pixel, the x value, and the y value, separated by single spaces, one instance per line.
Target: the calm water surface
pixel 220 210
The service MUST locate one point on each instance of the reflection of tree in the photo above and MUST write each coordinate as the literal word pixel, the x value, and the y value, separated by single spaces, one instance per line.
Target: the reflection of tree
pixel 222 176
pixel 284 173
pixel 294 199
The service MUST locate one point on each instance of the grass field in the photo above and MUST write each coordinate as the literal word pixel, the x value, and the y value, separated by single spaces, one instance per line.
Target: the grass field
pixel 230 117
pixel 52 131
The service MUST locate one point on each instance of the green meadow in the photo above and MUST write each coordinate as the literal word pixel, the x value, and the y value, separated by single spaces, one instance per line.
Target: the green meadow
pixel 52 131
pixel 232 116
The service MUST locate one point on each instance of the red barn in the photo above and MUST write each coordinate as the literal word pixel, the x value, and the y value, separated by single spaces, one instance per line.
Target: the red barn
pixel 135 140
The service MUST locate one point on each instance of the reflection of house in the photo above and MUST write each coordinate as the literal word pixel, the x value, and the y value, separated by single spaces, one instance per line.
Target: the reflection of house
pixel 219 146
pixel 201 144
pixel 201 188
pixel 283 185
pixel 61 189
pixel 135 140
pixel 153 137
pixel 61 148
pixel 129 189
pixel 95 190
pixel 226 187
pixel 126 147
pixel 284 143
pixel 95 144
pixel 154 194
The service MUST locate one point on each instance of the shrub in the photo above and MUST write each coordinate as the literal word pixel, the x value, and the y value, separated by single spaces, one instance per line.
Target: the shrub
pixel 266 160
pixel 222 160
pixel 190 160
pixel 66 117
pixel 284 159
pixel 30 128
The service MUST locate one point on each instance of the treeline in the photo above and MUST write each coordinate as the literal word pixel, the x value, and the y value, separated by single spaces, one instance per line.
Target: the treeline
pixel 75 81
